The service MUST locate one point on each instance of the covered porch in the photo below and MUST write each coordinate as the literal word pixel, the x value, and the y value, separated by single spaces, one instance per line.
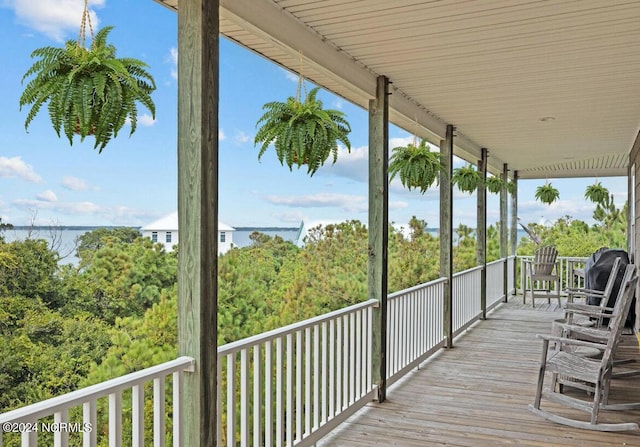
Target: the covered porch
pixel 512 86
pixel 524 90
pixel 477 393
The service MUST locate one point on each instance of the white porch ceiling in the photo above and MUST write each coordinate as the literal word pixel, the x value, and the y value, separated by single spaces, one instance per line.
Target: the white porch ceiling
pixel 552 88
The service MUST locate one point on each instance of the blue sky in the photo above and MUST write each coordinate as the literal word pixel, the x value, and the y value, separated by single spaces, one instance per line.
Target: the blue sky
pixel 45 181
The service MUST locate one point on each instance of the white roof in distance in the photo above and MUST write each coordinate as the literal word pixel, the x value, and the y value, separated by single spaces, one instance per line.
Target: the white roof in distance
pixel 170 223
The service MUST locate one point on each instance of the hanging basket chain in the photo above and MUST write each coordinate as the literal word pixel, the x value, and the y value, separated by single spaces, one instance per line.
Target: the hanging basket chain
pixel 301 85
pixel 86 20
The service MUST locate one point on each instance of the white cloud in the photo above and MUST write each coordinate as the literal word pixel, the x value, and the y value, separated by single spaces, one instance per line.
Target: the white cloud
pixel 241 137
pixel 290 75
pixel 57 19
pixel 173 60
pixel 16 167
pixel 146 120
pixel 221 135
pixel 74 183
pixel 346 202
pixel 47 196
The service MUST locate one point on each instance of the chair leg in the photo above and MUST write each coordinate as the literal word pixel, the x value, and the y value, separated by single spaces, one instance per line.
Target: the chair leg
pixel 558 293
pixel 543 363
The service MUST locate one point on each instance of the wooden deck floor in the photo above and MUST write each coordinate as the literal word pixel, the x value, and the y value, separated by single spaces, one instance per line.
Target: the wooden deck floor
pixel 477 394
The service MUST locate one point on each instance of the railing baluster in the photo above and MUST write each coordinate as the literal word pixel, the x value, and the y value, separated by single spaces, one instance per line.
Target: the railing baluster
pixel 299 389
pixel 324 373
pixel 115 419
pixel 29 438
pixel 61 437
pixel 279 394
pixel 316 377
pixel 332 369
pixel 177 407
pixel 307 381
pixel 158 412
pixel 268 396
pixel 231 399
pixel 89 437
pixel 289 391
pixel 137 415
pixel 257 396
pixel 244 398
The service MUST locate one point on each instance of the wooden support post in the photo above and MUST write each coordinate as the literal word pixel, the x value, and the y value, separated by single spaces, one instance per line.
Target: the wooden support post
pixel 379 227
pixel 504 247
pixel 514 225
pixel 481 232
pixel 446 230
pixel 198 75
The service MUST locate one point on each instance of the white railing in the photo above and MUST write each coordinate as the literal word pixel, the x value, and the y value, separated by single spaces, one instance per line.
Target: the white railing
pixel 495 282
pixel 78 414
pixel 511 274
pixel 293 385
pixel 287 387
pixel 415 326
pixel 567 267
pixel 466 298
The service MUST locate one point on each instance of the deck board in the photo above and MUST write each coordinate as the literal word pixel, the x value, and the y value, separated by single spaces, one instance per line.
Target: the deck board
pixel 477 394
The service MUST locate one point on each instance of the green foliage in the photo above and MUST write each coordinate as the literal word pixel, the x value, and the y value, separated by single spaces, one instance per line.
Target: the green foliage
pixel 494 184
pixel 571 237
pixel 28 268
pixel 547 194
pixel 466 178
pixel 511 187
pixel 93 240
pixel 417 166
pixel 303 133
pixel 89 91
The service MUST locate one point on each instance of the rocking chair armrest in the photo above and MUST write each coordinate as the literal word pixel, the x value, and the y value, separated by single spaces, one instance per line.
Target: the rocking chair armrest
pixel 576 330
pixel 585 309
pixel 570 341
pixel 582 291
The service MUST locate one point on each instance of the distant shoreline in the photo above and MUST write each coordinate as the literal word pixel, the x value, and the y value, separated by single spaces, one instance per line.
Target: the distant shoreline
pixel 97 227
pixel 69 227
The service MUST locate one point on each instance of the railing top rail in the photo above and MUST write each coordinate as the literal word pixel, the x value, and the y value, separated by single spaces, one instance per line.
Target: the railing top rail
pixel 238 345
pixel 74 398
pixel 560 258
pixel 466 272
pixel 403 292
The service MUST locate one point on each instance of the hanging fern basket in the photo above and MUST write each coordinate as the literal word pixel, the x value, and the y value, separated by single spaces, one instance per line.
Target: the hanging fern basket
pixel 302 132
pixel 494 184
pixel 466 178
pixel 596 193
pixel 416 165
pixel 89 91
pixel 547 194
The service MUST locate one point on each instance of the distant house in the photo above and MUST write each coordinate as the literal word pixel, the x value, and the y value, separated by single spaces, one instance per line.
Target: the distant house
pixel 165 231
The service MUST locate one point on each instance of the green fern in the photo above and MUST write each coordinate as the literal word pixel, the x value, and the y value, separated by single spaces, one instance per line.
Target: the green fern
pixel 417 166
pixel 467 178
pixel 89 91
pixel 596 193
pixel 547 194
pixel 303 133
pixel 494 184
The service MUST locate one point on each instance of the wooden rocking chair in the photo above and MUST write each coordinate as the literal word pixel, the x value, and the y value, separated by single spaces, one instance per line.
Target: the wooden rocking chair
pixel 594 314
pixel 597 372
pixel 543 269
